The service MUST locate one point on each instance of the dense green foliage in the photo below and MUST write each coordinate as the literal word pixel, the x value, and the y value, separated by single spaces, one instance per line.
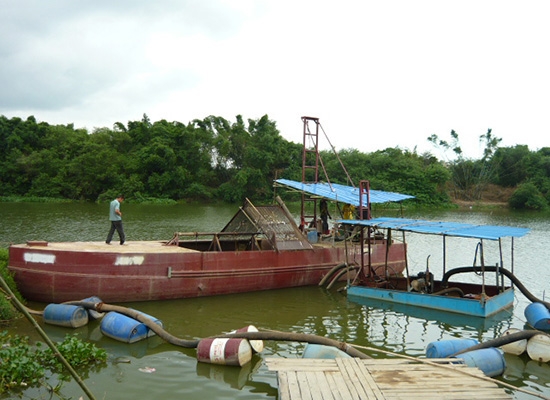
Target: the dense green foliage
pixel 23 365
pixel 7 310
pixel 214 159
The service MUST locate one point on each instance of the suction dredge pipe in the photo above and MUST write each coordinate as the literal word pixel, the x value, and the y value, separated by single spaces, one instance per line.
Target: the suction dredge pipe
pixel 504 271
pixel 336 273
pixel 264 335
pixel 501 341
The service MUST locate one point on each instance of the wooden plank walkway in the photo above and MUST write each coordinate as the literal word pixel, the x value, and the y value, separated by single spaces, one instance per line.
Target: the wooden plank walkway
pixel 354 378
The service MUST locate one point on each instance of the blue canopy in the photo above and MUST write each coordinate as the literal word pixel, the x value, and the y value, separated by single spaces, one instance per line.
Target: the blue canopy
pixel 342 193
pixel 489 232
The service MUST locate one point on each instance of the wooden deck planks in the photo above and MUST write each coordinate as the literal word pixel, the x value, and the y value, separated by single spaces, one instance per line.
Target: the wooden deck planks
pixel 388 379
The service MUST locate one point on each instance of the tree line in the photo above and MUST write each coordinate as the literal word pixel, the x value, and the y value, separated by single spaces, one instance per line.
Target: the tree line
pixel 217 160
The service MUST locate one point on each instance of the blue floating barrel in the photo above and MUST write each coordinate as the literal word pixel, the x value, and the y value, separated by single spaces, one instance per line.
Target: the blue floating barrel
pixel 491 361
pixel 323 352
pixel 538 316
pixel 126 329
pixel 446 348
pixel 65 315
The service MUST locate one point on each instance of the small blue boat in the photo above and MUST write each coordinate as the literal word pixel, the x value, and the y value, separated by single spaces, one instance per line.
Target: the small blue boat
pixel 126 329
pixel 485 299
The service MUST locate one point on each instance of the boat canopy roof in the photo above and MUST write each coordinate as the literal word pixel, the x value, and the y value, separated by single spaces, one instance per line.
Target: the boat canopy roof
pixel 342 193
pixel 490 232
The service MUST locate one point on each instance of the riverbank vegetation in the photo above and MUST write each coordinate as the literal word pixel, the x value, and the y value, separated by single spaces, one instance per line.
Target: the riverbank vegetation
pixel 217 160
pixel 7 310
pixel 25 365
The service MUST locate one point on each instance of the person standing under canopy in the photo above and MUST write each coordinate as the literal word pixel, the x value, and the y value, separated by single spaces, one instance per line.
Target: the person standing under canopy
pixel 115 216
pixel 323 208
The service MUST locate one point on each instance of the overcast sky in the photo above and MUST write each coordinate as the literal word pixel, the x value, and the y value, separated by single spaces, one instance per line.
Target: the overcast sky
pixel 378 74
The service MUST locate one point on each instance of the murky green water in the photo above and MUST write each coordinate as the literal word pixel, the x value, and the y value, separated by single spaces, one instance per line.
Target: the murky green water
pixel 313 310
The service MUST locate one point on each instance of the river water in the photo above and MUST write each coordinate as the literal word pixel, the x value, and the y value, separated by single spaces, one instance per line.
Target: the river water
pixel 176 374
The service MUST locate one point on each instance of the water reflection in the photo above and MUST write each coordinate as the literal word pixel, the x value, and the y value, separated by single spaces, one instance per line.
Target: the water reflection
pixel 398 329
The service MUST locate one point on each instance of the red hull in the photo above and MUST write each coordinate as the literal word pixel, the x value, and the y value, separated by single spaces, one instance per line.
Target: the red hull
pixel 145 271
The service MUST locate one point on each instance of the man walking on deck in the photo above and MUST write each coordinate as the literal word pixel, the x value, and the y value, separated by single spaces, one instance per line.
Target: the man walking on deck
pixel 115 216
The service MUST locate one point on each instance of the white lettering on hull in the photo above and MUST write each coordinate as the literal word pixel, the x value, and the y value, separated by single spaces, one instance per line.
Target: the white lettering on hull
pixel 129 260
pixel 39 258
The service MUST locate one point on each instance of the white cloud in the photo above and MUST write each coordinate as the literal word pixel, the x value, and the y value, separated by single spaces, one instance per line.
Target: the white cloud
pixel 377 74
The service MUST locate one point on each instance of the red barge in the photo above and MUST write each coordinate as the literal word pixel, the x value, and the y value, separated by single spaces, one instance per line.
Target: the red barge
pixel 260 248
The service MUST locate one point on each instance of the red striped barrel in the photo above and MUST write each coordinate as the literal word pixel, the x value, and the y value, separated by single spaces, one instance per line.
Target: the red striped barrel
pixel 224 351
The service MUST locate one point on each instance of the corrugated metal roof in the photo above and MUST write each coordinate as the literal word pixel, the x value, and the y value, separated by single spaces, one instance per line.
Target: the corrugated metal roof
pixel 490 232
pixel 342 193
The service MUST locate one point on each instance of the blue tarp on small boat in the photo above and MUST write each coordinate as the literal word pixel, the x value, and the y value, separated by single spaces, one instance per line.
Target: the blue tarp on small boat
pixel 442 228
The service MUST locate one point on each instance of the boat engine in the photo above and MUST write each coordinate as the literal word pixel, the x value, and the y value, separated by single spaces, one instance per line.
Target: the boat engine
pixel 423 282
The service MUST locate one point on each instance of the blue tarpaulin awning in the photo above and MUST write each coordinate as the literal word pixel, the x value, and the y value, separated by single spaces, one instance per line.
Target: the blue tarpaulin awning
pixel 343 193
pixel 458 229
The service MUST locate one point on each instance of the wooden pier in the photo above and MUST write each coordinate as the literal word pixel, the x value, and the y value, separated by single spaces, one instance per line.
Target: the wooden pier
pixel 362 379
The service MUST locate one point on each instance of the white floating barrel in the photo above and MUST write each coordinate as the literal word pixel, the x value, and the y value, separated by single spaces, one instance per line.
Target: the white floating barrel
pixel 515 348
pixel 538 316
pixel 446 348
pixel 126 329
pixel 257 345
pixel 490 361
pixel 538 347
pixel 224 351
pixel 65 315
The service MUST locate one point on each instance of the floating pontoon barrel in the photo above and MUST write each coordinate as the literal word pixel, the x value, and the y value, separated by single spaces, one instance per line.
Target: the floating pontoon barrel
pixel 257 345
pixel 65 315
pixel 224 351
pixel 446 348
pixel 490 361
pixel 517 347
pixel 125 329
pixel 323 352
pixel 538 316
pixel 538 347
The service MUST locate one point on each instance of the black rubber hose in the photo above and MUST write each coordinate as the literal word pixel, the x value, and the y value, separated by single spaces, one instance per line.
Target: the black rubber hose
pixel 297 337
pixel 504 271
pixel 138 316
pixel 265 335
pixel 340 274
pixel 330 273
pixel 501 341
pixel 450 290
